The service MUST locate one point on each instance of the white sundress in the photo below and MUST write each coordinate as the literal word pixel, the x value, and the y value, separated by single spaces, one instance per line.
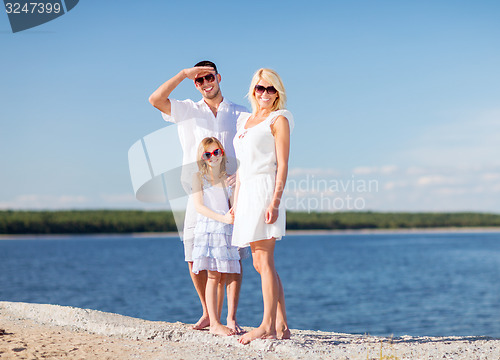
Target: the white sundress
pixel 256 152
pixel 212 239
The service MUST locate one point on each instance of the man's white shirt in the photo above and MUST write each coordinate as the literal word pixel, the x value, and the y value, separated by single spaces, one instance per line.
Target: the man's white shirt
pixel 196 121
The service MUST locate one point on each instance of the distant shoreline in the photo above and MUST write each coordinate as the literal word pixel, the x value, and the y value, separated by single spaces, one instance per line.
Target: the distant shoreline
pixel 99 222
pixel 454 229
pixel 438 230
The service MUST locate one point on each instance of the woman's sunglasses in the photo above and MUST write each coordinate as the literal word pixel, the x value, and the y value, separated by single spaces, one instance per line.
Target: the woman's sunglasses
pixel 201 80
pixel 207 155
pixel 271 90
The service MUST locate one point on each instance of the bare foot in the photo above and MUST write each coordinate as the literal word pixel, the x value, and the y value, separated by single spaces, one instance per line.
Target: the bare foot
pixel 283 334
pixel 232 324
pixel 202 323
pixel 257 333
pixel 219 329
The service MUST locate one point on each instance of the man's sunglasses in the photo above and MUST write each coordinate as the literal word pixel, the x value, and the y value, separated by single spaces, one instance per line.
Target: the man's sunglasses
pixel 201 80
pixel 271 90
pixel 207 155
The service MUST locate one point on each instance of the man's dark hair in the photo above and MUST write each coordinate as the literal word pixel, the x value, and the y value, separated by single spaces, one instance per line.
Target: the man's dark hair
pixel 207 63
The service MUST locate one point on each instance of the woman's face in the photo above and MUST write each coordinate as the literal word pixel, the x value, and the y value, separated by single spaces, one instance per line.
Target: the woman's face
pixel 265 100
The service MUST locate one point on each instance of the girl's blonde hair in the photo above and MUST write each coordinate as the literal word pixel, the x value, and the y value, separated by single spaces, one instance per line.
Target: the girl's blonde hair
pixel 274 79
pixel 202 164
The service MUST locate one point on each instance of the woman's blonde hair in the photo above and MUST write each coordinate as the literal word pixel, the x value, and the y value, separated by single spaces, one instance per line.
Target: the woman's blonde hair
pixel 202 164
pixel 274 79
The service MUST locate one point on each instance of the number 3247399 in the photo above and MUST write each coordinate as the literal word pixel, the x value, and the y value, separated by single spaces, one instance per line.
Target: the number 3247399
pixel 32 8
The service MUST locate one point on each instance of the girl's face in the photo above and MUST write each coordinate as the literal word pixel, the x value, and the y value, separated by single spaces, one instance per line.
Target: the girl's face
pixel 214 159
pixel 264 99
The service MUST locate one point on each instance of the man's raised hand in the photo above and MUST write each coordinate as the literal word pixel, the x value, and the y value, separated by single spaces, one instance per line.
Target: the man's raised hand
pixel 194 72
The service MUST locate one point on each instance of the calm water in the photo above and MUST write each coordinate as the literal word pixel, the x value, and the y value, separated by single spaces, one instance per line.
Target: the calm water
pixel 416 284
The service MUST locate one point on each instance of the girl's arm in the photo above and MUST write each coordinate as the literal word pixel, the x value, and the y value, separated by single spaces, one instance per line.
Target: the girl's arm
pixel 281 132
pixel 200 207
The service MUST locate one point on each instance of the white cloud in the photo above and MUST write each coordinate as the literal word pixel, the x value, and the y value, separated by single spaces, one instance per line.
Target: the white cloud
pixel 436 188
pixel 35 201
pixel 370 170
pixel 447 191
pixel 436 180
pixel 491 176
pixel 364 170
pixel 390 185
pixel 388 169
pixel 377 188
pixel 415 170
pixel 118 198
pixel 62 202
pixel 313 171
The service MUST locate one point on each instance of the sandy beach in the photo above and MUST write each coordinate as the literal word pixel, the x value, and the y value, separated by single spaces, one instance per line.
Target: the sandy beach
pixel 37 331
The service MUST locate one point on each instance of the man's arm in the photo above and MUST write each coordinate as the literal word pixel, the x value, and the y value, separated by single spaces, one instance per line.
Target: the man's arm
pixel 159 99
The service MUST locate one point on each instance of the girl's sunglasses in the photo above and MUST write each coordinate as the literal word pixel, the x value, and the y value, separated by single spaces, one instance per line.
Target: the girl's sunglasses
pixel 271 90
pixel 201 80
pixel 207 155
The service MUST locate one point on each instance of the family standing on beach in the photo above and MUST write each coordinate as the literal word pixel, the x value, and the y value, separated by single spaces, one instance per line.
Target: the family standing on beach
pixel 231 207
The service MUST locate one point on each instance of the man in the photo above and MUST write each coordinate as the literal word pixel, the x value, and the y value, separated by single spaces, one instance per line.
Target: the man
pixel 211 116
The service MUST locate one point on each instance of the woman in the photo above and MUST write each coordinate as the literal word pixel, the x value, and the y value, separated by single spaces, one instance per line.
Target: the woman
pixel 262 145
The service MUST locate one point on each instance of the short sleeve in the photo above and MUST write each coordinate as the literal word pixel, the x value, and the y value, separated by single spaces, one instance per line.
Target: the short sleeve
pixel 242 119
pixel 179 110
pixel 286 114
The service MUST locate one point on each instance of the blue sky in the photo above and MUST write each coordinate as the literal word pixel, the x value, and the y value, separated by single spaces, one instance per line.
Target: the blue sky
pixel 402 94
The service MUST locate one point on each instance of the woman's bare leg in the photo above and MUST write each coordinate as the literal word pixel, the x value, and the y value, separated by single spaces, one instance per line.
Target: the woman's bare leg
pixel 263 257
pixel 282 330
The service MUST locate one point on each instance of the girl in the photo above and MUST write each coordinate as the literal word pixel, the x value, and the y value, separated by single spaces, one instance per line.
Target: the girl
pixel 262 145
pixel 212 235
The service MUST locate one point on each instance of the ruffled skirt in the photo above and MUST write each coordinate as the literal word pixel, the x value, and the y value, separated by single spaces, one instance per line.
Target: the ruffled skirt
pixel 212 247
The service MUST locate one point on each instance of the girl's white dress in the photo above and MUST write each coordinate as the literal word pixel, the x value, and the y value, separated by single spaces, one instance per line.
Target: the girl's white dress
pixel 256 152
pixel 212 239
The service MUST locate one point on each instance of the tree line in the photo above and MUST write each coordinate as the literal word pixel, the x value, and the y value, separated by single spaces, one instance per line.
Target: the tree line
pixel 85 221
pixel 130 221
pixel 387 220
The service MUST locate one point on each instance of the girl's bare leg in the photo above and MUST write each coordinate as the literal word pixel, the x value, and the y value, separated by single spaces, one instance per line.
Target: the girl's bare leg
pixel 200 284
pixel 220 294
pixel 263 257
pixel 233 284
pixel 212 305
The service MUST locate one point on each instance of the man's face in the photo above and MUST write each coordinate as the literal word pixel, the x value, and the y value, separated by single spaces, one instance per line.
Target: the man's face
pixel 207 82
